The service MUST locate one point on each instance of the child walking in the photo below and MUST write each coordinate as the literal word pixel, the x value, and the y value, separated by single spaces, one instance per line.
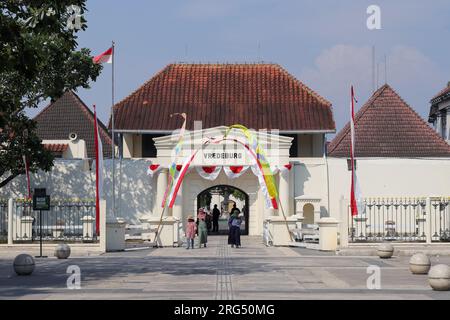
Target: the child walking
pixel 191 229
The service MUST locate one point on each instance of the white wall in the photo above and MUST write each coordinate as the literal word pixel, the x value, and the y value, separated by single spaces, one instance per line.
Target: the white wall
pixel 377 177
pixel 73 179
pixel 384 177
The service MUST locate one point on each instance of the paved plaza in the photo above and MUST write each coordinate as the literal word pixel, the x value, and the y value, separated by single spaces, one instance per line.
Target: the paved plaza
pixel 217 272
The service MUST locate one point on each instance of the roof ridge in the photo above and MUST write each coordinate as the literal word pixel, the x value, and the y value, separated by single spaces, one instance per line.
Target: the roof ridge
pixel 345 130
pixel 444 91
pixel 157 74
pixel 307 88
pixel 419 123
pixel 422 121
pixel 91 116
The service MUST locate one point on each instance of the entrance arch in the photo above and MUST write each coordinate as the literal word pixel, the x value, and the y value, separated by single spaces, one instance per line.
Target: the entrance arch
pixel 224 196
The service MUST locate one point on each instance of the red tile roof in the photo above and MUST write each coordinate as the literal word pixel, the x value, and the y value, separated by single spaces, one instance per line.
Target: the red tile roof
pixel 69 114
pixel 255 95
pixel 441 93
pixel 388 127
pixel 56 147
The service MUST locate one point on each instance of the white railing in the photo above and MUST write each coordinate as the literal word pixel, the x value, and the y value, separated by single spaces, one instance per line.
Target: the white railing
pixel 401 219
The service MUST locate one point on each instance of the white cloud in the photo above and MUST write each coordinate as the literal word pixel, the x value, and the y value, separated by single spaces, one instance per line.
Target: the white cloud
pixel 413 75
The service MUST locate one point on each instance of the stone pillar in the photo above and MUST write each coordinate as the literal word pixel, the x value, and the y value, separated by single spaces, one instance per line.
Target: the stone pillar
pixel 161 185
pixel 88 228
pixel 283 190
pixel 26 228
pixel 328 229
pixel 115 234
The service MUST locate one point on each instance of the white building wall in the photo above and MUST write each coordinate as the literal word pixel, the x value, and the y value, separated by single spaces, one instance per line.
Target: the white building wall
pixel 72 179
pixel 136 191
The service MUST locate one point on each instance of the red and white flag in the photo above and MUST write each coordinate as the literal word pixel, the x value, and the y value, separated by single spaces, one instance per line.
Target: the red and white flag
pixel 98 172
pixel 355 192
pixel 105 57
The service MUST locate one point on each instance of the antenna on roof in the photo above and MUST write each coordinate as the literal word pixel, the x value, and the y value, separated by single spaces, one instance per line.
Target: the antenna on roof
pixel 385 69
pixel 378 74
pixel 186 51
pixel 373 69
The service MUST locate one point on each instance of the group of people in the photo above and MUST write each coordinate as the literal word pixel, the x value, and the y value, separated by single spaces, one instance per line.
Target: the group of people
pixel 201 227
pixel 193 228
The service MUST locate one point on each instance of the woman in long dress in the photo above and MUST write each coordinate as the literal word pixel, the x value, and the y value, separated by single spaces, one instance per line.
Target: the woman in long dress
pixel 202 228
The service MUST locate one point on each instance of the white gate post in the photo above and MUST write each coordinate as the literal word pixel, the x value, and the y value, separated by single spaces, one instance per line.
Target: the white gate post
pixel 11 207
pixel 103 225
pixel 428 224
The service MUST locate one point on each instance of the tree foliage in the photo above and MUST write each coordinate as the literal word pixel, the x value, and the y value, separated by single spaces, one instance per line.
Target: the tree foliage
pixel 39 60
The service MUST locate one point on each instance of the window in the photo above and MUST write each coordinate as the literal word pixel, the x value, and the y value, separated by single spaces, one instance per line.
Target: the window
pixel 148 145
pixel 293 151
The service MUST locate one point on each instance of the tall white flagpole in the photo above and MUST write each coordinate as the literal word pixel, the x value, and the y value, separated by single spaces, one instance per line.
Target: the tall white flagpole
pixel 113 136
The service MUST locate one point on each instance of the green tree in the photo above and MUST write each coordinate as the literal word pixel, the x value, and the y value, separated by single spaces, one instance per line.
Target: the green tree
pixel 39 60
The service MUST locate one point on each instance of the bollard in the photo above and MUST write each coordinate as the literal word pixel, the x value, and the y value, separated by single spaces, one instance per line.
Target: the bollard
pixel 24 264
pixel 439 277
pixel 385 250
pixel 62 251
pixel 419 264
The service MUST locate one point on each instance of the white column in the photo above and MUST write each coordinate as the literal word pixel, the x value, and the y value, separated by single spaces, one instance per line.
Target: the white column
pixel 177 210
pixel 439 124
pixel 161 185
pixel 448 124
pixel 283 190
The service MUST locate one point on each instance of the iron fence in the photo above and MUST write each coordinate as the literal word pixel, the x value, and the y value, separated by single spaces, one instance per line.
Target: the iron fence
pixel 440 219
pixel 3 221
pixel 68 221
pixel 402 220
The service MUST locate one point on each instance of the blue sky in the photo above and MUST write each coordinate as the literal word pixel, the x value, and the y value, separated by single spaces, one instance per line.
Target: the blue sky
pixel 325 44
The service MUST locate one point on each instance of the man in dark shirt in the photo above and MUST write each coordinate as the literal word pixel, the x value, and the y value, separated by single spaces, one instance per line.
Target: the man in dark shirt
pixel 216 215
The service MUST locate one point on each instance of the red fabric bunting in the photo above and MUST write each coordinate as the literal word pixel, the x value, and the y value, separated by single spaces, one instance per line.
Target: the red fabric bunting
pixel 153 167
pixel 209 169
pixel 236 169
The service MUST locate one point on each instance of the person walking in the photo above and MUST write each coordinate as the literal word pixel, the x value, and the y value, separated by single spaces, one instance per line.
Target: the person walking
pixel 202 228
pixel 236 230
pixel 191 228
pixel 231 233
pixel 215 218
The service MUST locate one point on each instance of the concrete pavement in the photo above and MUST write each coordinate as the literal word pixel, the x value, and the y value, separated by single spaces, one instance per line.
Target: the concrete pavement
pixel 218 272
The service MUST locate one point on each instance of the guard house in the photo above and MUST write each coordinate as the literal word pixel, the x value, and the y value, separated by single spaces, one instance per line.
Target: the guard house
pixel 290 120
pixel 440 113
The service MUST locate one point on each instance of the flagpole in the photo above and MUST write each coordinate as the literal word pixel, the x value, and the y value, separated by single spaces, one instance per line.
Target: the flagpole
pixel 112 135
pixel 97 196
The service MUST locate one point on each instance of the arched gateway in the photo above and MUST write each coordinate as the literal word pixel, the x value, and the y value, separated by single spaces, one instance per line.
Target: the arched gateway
pixel 225 196
pixel 223 157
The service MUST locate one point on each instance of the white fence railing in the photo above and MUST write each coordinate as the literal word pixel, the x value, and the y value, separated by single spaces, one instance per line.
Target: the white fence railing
pixel 403 220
